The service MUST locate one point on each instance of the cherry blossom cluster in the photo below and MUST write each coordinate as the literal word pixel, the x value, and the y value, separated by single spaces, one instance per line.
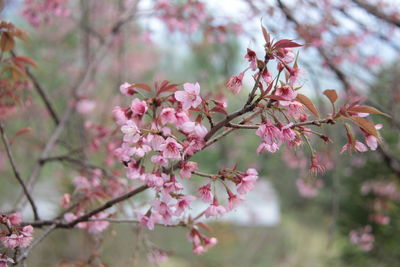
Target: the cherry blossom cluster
pixel 385 194
pixel 363 238
pixel 13 235
pixel 38 12
pixel 89 189
pixel 166 131
pixel 185 18
pixel 162 131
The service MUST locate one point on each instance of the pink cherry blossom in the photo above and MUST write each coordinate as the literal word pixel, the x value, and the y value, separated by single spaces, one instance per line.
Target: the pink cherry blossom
pixel 85 106
pixel 308 188
pixel 157 256
pixel 154 180
pixel 119 115
pixel 21 239
pixel 127 89
pixel 183 204
pixel 266 75
pixel 172 185
pixel 210 242
pixel 246 183
pixel 316 167
pixel 288 134
pixel 286 92
pixel 14 219
pixel 98 226
pixel 295 109
pixel 359 147
pixel 252 58
pixel 370 140
pixel 363 238
pixel 187 168
pixel 190 96
pixel 181 118
pixel 149 220
pixel 264 146
pixel 214 209
pixel 159 160
pixel 164 209
pixel 171 149
pixel 4 260
pixel 138 107
pixel 167 115
pixel 271 136
pixel 129 128
pixel 205 193
pixel 234 83
pixel 234 200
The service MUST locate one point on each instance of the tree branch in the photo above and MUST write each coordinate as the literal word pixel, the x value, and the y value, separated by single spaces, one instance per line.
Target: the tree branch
pixel 16 172
pixel 45 98
pixel 377 13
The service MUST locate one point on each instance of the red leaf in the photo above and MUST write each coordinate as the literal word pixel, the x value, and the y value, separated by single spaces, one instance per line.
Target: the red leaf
pixel 23 131
pixel 266 34
pixel 219 110
pixel 350 135
pixel 367 109
pixel 285 43
pixel 367 126
pixel 205 227
pixel 332 95
pixel 7 42
pixel 143 86
pixel 308 103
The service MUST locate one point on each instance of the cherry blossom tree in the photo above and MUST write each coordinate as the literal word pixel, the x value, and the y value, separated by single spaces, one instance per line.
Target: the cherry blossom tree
pixel 148 139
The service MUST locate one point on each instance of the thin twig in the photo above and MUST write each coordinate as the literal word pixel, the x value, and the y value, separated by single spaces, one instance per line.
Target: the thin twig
pixel 16 172
pixel 42 93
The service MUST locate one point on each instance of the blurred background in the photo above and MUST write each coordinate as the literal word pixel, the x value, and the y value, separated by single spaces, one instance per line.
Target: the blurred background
pixel 288 220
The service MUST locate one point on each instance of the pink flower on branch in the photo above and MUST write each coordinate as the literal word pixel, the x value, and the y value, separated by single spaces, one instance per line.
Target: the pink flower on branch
pixel 205 193
pixel 187 168
pixel 214 209
pixel 247 181
pixel 252 58
pixel 171 149
pixel 235 83
pixel 190 96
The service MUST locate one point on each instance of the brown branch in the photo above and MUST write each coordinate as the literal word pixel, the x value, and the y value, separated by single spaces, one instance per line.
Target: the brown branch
pixel 228 131
pixel 40 90
pixel 392 162
pixel 88 215
pixel 305 123
pixel 247 108
pixel 82 163
pixel 365 28
pixel 107 205
pixel 339 74
pixel 374 10
pixel 201 174
pixel 16 172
